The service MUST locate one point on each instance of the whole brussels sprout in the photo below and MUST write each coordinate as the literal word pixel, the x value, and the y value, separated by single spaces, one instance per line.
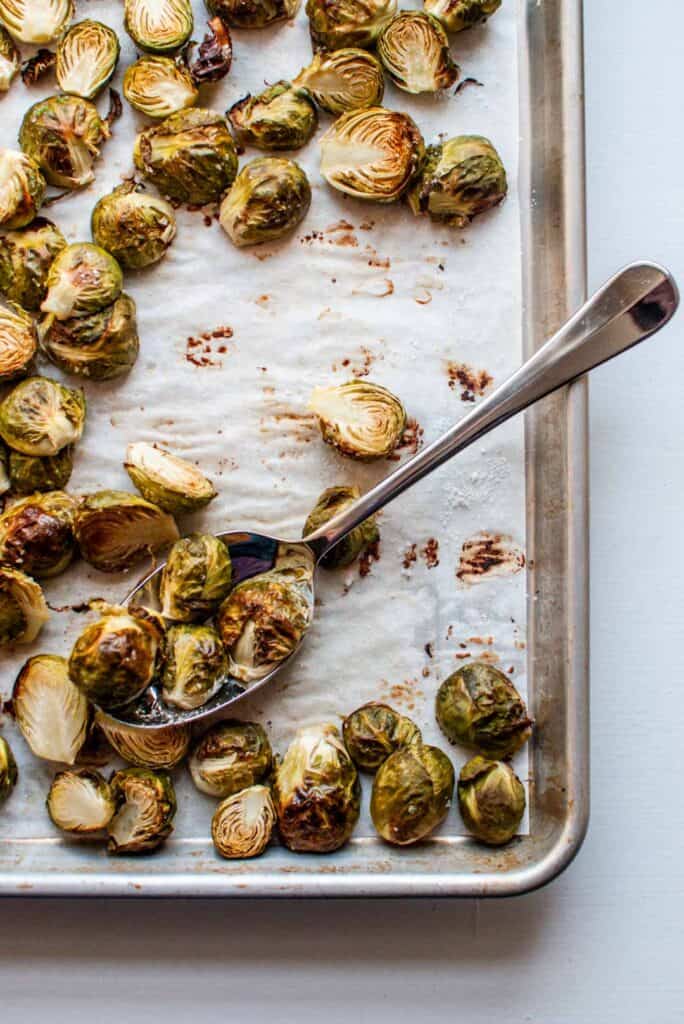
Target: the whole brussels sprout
pixel 135 227
pixel 316 791
pixel 243 824
pixel 195 666
pixel 196 578
pixel 145 808
pixel 8 770
pixel 331 503
pixel 40 416
pixel 253 13
pixel 52 714
pixel 83 279
pixel 372 154
pixel 37 535
pixel 101 346
pixel 374 731
pixel 411 794
pixel 26 256
pixel 22 188
pixel 170 482
pixel 230 756
pixel 36 21
pixel 80 801
pixel 414 50
pixel 63 135
pixel 31 473
pixel 86 58
pixel 344 80
pixel 362 420
pixel 457 15
pixel 491 799
pixel 10 59
pixel 23 610
pixel 190 156
pixel 335 24
pixel 159 86
pixel 18 341
pixel 480 707
pixel 146 748
pixel 159 26
pixel 281 117
pixel 115 529
pixel 269 198
pixel 461 178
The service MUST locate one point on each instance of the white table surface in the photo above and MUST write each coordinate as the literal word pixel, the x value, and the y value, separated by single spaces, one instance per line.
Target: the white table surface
pixel 604 942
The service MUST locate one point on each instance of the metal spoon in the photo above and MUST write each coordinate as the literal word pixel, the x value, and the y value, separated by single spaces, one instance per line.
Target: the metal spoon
pixel 632 305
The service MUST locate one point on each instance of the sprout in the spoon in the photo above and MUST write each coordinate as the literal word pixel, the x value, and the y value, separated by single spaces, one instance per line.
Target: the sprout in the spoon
pixel 195 666
pixel 167 480
pixel 243 823
pixel 37 534
pixel 361 419
pixel 80 801
pixel 145 808
pixel 196 578
pixel 229 756
pixel 23 609
pixel 40 416
pixel 86 58
pixel 101 346
pixel 63 135
pixel 22 188
pixel 115 529
pixel 51 712
pixel 26 256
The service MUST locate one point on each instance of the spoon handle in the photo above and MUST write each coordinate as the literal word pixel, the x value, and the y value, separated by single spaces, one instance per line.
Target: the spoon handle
pixel 632 305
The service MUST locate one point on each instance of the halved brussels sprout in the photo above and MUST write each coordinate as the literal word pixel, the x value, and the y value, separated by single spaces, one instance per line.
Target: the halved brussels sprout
pixel 253 13
pixel 8 770
pixel 145 808
pixel 5 483
pixel 23 609
pixel 190 156
pixel 316 791
pixel 196 578
pixel 26 256
pixel 243 824
pixel 80 801
pixel 51 713
pixel 337 24
pixel 457 15
pixel 372 154
pixel 331 503
pixel 101 346
pixel 414 50
pixel 480 707
pixel 37 535
pixel 170 482
pixel 134 226
pixel 374 731
pixel 281 117
pixel 86 58
pixel 269 198
pixel 344 80
pixel 18 341
pixel 115 658
pixel 115 529
pixel 146 748
pixel 195 666
pixel 40 416
pixel 158 26
pixel 159 86
pixel 230 756
pixel 22 188
pixel 63 134
pixel 83 279
pixel 491 799
pixel 10 59
pixel 36 21
pixel 31 473
pixel 460 178
pixel 362 420
pixel 411 794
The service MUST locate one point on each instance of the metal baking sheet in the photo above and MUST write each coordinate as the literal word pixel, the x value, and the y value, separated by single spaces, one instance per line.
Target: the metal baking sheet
pixel 361 263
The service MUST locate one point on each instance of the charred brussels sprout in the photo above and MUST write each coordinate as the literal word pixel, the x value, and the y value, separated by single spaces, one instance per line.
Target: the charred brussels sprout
pixel 196 578
pixel 281 117
pixel 31 473
pixel 80 801
pixel 374 731
pixel 491 799
pixel 146 748
pixel 135 227
pixel 23 610
pixel 229 757
pixel 18 341
pixel 8 770
pixel 335 24
pixel 36 21
pixel 86 58
pixel 414 50
pixel 253 13
pixel 63 135
pixel 316 791
pixel 344 80
pixel 101 346
pixel 170 482
pixel 83 279
pixel 460 178
pixel 457 15
pixel 243 824
pixel 158 26
pixel 480 707
pixel 25 259
pixel 159 86
pixel 372 154
pixel 411 794
pixel 37 535
pixel 115 529
pixel 214 54
pixel 145 803
pixel 362 420
pixel 331 503
pixel 190 156
pixel 195 666
pixel 269 198
pixel 10 59
pixel 22 188
pixel 40 416
pixel 51 713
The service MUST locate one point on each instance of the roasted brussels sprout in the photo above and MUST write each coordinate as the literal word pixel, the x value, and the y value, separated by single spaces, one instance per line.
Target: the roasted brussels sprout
pixel 243 823
pixel 115 658
pixel 253 13
pixel 101 346
pixel 316 791
pixel 145 808
pixel 229 757
pixel 31 473
pixel 214 54
pixel 360 419
pixel 51 713
pixel 8 770
pixel 414 50
pixel 491 799
pixel 195 666
pixel 83 279
pixel 269 198
pixel 40 416
pixel 5 483
pixel 335 24
pixel 159 86
pixel 86 58
pixel 374 731
pixel 344 80
pixel 411 794
pixel 115 529
pixel 170 482
pixel 63 135
pixel 159 26
pixel 480 707
pixel 10 59
pixel 36 534
pixel 331 503
pixel 372 154
pixel 281 117
pixel 460 178
pixel 36 21
pixel 134 226
pixel 146 748
pixel 18 341
pixel 25 259
pixel 190 156
pixel 80 801
pixel 22 188
pixel 196 578
pixel 457 15
pixel 23 610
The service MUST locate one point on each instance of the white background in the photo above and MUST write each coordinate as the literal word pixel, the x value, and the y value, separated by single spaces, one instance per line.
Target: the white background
pixel 603 943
